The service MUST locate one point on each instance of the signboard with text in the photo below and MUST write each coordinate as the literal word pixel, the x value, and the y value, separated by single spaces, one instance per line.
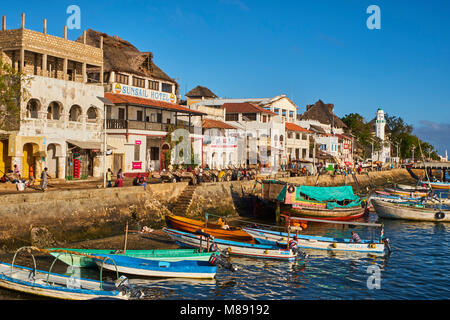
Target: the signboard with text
pixel 119 88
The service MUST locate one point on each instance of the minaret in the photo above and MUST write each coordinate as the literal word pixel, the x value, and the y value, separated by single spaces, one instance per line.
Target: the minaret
pixel 380 124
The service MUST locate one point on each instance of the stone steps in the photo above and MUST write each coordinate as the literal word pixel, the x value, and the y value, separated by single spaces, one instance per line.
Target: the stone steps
pixel 184 200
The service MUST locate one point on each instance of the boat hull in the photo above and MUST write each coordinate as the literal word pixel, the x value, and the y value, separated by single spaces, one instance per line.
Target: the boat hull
pixel 401 211
pixel 412 194
pixel 160 255
pixel 191 225
pixel 316 242
pixel 437 185
pixel 19 281
pixel 148 268
pixel 232 247
pixel 337 213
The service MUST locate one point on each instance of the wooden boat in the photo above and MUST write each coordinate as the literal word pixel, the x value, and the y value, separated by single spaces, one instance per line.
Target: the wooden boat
pixel 321 202
pixel 243 249
pixel 54 285
pixel 316 242
pixel 436 185
pixel 336 213
pixel 156 268
pixel 85 261
pixel 287 214
pixel 407 211
pixel 403 193
pixel 408 188
pixel 214 229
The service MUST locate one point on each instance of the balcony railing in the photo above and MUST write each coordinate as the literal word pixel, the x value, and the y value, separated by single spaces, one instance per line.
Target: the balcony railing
pixel 142 125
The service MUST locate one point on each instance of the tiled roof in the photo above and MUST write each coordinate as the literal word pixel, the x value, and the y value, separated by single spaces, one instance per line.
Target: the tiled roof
pixel 245 107
pixel 293 127
pixel 124 99
pixel 210 123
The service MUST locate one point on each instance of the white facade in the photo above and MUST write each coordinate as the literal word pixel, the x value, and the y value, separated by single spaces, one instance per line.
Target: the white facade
pixel 59 111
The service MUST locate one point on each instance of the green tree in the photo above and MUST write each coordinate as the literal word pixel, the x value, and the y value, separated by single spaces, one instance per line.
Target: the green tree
pixel 12 92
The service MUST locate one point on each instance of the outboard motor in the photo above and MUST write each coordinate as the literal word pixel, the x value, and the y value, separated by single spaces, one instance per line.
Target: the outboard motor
pixel 123 285
pixel 388 246
pixel 222 261
pixel 295 248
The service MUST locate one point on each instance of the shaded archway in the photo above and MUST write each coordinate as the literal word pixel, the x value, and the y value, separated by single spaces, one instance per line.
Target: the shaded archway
pixel 30 152
pixel 33 108
pixel 92 114
pixel 52 160
pixel 54 110
pixel 75 113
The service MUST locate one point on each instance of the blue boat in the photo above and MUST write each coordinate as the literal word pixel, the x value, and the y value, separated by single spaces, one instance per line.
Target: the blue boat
pixel 156 268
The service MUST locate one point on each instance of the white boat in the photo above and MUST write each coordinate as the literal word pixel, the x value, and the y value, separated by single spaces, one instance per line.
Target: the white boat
pixel 59 286
pixel 232 247
pixel 407 211
pixel 316 242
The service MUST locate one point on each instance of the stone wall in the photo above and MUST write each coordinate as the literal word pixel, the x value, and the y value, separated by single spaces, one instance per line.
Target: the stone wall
pixel 77 215
pixel 86 214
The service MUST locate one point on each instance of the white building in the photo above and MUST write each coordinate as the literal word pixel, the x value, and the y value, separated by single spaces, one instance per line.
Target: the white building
pixel 61 120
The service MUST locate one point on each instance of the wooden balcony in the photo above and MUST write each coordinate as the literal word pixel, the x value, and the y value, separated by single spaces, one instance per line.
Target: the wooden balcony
pixel 141 125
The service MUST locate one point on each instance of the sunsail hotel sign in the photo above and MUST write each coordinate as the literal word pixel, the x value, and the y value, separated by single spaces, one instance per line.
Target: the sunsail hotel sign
pixel 119 88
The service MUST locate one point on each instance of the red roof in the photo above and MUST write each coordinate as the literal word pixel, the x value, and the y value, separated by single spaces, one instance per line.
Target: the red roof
pixel 245 107
pixel 124 99
pixel 343 136
pixel 293 127
pixel 210 123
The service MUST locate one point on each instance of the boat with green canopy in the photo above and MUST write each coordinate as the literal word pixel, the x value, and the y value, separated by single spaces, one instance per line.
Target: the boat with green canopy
pixel 85 261
pixel 339 203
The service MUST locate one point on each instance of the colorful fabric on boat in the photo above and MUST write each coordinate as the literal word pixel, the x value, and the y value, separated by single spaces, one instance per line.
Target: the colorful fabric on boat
pixel 332 205
pixel 327 193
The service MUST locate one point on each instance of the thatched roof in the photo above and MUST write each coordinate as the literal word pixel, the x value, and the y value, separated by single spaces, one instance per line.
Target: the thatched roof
pixel 120 55
pixel 199 92
pixel 323 113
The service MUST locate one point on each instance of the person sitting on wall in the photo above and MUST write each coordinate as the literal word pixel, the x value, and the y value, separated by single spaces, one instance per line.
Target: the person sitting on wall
pixel 136 180
pixel 142 181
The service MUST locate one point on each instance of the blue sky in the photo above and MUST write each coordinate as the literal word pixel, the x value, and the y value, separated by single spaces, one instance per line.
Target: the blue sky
pixel 308 50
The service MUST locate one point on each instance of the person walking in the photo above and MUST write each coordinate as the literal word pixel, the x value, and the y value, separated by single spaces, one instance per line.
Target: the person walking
pixel 44 178
pixel 109 177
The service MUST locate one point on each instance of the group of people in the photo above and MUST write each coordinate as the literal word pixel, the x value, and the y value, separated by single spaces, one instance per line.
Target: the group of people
pixel 15 177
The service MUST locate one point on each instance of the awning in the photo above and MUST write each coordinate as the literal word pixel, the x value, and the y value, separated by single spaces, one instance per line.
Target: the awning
pixel 89 144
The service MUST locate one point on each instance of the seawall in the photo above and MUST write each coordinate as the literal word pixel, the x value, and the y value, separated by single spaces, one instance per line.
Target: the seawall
pixel 58 217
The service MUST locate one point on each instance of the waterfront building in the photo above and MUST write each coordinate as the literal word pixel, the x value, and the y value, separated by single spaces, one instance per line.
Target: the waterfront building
pixel 220 144
pixel 328 131
pixel 143 109
pixel 60 122
pixel 261 133
pixel 297 142
pixel 266 118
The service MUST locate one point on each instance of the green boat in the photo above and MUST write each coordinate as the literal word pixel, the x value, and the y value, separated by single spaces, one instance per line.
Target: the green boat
pixel 86 259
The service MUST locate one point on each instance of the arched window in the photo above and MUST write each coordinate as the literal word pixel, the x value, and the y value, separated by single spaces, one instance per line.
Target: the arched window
pixel 75 113
pixel 33 108
pixel 92 114
pixel 54 110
